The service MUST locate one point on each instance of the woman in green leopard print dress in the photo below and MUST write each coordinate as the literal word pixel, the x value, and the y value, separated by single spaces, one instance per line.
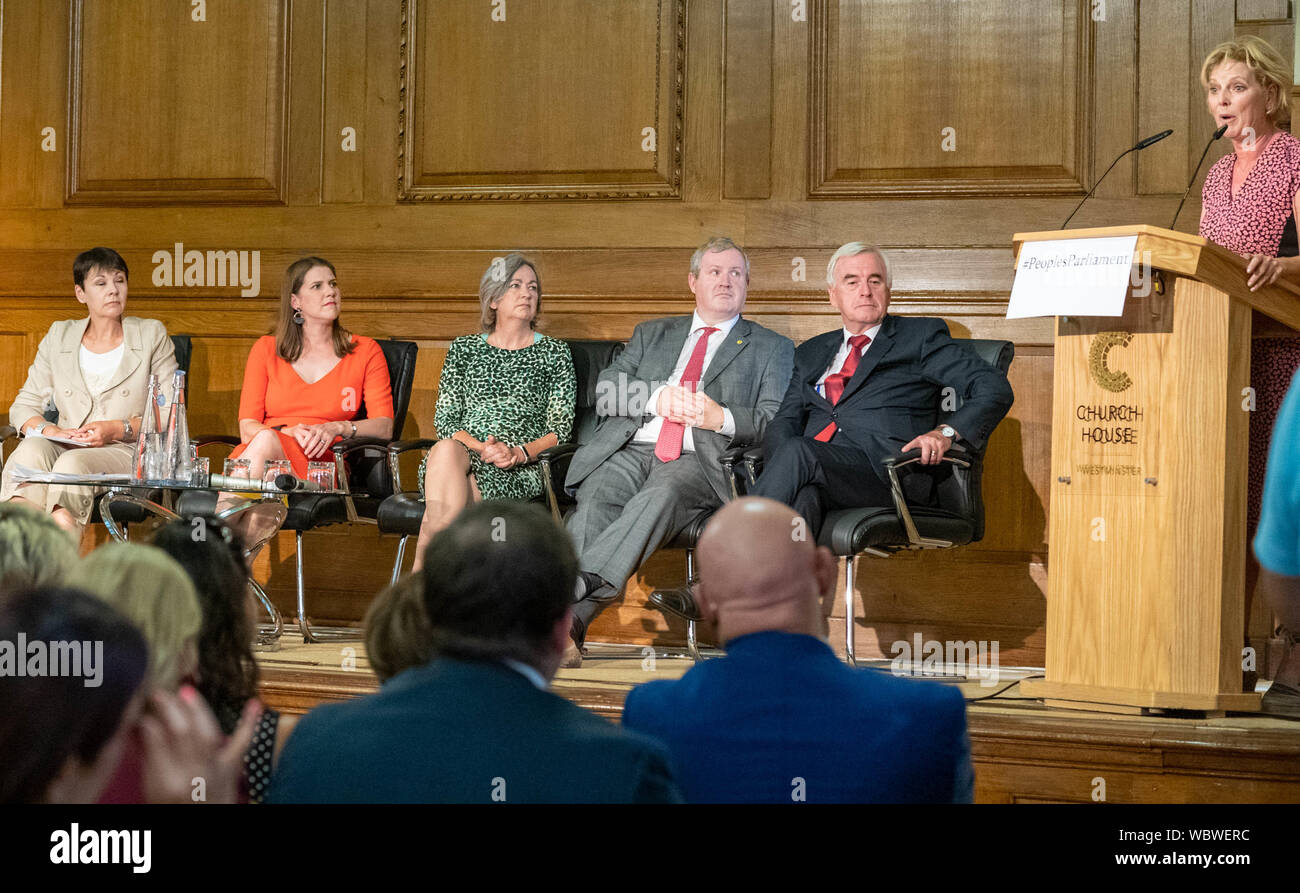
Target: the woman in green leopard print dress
pixel 504 395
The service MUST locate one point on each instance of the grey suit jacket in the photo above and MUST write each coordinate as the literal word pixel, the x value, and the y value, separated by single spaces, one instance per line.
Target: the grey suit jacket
pixel 748 375
pixel 56 374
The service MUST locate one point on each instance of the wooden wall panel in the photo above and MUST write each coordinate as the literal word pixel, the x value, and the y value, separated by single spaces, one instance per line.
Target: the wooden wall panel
pixel 537 103
pixel 975 124
pixel 143 134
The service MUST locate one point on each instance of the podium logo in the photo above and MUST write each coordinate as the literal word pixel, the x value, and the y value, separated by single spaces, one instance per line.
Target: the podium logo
pixel 1105 377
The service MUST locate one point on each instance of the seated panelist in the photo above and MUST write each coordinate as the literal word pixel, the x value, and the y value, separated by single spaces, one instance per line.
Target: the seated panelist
pixel 305 384
pixel 869 390
pixel 505 395
pixel 96 373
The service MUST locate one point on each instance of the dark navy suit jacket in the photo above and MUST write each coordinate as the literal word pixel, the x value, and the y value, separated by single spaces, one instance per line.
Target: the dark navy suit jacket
pixel 467 732
pixel 896 392
pixel 781 717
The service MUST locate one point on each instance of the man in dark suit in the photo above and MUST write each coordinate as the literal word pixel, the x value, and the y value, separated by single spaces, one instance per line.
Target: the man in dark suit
pixel 476 724
pixel 685 389
pixel 780 718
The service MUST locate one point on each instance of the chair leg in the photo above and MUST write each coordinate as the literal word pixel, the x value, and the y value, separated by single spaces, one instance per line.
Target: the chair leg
pixel 267 636
pixel 397 565
pixel 849 651
pixel 303 625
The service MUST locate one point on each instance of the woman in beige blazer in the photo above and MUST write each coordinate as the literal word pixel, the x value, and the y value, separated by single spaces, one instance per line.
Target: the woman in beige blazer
pixel 96 372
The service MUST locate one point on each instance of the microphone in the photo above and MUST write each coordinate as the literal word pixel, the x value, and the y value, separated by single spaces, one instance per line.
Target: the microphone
pixel 225 482
pixel 1218 133
pixel 288 483
pixel 1151 140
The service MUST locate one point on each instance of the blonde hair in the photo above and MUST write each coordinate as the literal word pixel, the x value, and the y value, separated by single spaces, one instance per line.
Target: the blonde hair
pixel 152 590
pixel 34 551
pixel 1267 65
pixel 496 281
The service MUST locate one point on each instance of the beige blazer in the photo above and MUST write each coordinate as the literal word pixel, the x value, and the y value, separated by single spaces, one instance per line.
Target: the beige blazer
pixel 55 374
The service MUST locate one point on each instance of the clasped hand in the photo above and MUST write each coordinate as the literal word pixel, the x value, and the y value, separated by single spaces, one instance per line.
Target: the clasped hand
pixel 315 440
pixel 500 454
pixel 93 434
pixel 695 409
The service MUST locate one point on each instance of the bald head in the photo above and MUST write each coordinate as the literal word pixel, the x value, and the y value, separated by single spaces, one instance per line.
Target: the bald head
pixel 760 570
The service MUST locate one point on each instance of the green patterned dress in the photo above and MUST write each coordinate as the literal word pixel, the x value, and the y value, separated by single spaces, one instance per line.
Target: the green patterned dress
pixel 517 395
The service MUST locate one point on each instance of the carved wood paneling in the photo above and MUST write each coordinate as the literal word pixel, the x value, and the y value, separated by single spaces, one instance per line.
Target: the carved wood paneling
pixel 541 105
pixel 165 109
pixel 937 98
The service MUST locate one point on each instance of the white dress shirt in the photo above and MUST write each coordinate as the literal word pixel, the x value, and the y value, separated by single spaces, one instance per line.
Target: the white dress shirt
pixel 837 362
pixel 529 673
pixel 649 432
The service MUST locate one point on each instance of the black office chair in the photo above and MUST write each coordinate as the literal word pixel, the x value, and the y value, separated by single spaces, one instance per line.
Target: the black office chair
pixel 365 480
pixel 955 517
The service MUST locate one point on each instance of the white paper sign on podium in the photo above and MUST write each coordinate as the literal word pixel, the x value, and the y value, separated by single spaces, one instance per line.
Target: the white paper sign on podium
pixel 1072 277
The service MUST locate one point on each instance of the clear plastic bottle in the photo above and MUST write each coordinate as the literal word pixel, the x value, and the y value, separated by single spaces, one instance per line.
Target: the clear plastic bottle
pixel 149 425
pixel 180 468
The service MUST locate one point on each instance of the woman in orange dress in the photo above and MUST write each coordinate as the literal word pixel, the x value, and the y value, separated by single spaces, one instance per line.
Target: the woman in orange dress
pixel 304 385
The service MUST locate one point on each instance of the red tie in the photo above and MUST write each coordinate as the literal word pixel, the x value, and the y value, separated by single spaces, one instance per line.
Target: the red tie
pixel 669 445
pixel 836 381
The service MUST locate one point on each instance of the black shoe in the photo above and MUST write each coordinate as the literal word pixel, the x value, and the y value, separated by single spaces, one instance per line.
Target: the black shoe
pixel 595 587
pixel 678 602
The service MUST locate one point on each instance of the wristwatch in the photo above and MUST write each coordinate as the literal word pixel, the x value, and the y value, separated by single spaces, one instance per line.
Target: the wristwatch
pixel 126 429
pixel 948 431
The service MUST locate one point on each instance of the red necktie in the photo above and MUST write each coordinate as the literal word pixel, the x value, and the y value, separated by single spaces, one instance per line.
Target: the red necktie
pixel 669 445
pixel 836 381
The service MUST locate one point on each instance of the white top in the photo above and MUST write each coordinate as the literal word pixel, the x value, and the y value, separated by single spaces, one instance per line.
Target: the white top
pixel 98 368
pixel 837 362
pixel 649 432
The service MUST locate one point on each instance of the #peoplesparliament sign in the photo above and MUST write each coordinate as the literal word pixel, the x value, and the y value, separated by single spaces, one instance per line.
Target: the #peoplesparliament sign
pixel 1072 277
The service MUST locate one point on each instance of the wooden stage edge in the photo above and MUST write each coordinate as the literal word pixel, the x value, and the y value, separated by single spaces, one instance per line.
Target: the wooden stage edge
pixel 1023 751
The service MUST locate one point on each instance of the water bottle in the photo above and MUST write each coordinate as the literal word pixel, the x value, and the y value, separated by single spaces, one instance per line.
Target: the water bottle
pixel 180 465
pixel 149 429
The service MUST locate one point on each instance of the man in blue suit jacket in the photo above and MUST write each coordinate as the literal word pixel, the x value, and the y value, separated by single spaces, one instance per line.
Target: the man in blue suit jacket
pixel 476 724
pixel 872 389
pixel 780 719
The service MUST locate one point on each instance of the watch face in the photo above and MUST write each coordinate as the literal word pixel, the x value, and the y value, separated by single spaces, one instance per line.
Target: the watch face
pixel 947 431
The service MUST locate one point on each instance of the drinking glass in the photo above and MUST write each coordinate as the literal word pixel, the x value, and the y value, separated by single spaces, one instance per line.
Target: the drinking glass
pixel 275 468
pixel 200 476
pixel 321 474
pixel 156 466
pixel 238 468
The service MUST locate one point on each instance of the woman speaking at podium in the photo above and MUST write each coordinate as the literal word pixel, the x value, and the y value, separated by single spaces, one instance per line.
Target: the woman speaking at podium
pixel 1249 204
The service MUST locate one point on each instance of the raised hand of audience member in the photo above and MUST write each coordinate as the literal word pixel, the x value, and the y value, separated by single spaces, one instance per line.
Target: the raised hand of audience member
pixel 185 758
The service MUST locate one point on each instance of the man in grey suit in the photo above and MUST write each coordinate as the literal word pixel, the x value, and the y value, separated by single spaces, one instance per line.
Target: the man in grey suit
pixel 685 389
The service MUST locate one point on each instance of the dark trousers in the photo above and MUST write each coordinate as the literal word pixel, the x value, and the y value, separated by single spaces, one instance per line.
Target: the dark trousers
pixel 814 478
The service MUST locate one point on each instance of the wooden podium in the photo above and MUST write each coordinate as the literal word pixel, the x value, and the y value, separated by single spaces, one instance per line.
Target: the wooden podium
pixel 1147 536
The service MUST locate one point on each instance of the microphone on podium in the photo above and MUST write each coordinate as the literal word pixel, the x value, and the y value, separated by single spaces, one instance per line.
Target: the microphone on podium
pixel 1139 146
pixel 1218 133
pixel 287 483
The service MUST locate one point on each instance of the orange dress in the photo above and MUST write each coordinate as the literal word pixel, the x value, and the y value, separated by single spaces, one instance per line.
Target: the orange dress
pixel 274 394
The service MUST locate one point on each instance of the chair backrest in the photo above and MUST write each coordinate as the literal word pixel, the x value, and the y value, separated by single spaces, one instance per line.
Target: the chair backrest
pixel 961 491
pixel 589 359
pixel 400 357
pixel 184 353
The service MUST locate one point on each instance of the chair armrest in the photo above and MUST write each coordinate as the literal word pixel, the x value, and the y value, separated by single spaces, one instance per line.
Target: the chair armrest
pixel 206 439
pixel 730 459
pixel 349 445
pixel 555 466
pixel 395 451
pixel 907 462
pixel 7 431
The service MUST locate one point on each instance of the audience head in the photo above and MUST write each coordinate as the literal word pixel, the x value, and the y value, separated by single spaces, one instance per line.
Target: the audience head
pixel 34 551
pixel 309 293
pixel 1265 76
pixel 760 571
pixel 498 583
pixel 510 284
pixel 398 636
pixel 63 733
pixel 152 591
pixel 859 283
pixel 719 279
pixel 212 556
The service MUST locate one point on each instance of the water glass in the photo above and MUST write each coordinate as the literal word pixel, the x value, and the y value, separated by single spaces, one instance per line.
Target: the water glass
pixel 321 474
pixel 238 468
pixel 275 468
pixel 200 476
pixel 156 464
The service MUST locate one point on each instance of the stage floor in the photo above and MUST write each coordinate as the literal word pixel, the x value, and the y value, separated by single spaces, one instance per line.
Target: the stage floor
pixel 1023 751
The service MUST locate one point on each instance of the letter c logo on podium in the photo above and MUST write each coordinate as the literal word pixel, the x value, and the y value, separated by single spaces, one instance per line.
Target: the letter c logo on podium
pixel 1105 377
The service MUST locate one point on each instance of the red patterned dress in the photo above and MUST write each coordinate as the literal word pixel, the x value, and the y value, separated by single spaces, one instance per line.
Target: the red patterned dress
pixel 1259 219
